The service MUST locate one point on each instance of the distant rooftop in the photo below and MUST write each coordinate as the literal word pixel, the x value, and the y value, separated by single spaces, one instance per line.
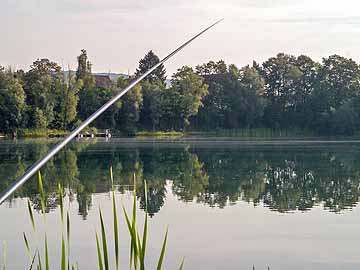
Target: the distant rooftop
pixel 103 81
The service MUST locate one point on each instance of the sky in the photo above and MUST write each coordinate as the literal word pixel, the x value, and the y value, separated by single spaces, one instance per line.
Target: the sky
pixel 118 33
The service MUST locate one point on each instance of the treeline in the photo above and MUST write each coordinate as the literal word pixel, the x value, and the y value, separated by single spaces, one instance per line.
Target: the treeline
pixel 284 92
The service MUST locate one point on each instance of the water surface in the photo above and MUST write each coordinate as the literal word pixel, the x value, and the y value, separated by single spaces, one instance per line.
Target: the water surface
pixel 229 204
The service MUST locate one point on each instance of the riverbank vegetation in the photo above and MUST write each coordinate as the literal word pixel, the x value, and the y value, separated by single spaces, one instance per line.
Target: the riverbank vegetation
pixel 286 92
pixel 159 134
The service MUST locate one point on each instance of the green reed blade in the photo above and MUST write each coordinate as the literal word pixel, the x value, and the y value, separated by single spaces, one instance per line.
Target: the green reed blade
pixel 132 232
pixel 161 258
pixel 182 264
pixel 32 262
pixel 39 266
pixel 63 253
pixel 99 252
pixel 68 237
pixel 42 193
pixel 103 236
pixel 145 224
pixel 134 204
pixel 143 246
pixel 112 178
pixel 146 193
pixel 139 252
pixel 139 244
pixel 27 247
pixel 60 194
pixel 144 240
pixel 31 215
pixel 46 254
pixel 116 233
pixel 4 255
pixel 133 225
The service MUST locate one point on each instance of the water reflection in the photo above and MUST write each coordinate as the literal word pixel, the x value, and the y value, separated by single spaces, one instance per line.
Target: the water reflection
pixel 284 179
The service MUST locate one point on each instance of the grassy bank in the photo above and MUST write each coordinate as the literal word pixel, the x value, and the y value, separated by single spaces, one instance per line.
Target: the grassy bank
pixel 38 133
pixel 160 134
pixel 256 133
pixel 246 134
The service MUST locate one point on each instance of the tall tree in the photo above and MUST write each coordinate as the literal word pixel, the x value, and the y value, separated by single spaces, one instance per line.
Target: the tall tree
pixel 12 101
pixel 172 108
pixel 130 110
pixel 150 60
pixel 66 100
pixel 340 77
pixel 190 85
pixel 288 81
pixel 212 67
pixel 335 97
pixel 83 71
pixel 149 95
pixel 40 92
pixel 86 82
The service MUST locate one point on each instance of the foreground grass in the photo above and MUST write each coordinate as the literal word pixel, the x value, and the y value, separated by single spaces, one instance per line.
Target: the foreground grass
pixel 138 238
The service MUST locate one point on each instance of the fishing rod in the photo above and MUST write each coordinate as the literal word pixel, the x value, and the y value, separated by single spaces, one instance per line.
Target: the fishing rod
pixel 40 163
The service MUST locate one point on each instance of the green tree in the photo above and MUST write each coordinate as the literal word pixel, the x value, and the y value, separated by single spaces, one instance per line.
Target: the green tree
pixel 170 110
pixel 345 120
pixel 337 88
pixel 83 71
pixel 279 73
pixel 247 103
pixel 150 60
pixel 289 84
pixel 87 89
pixel 12 101
pixel 130 110
pixel 340 77
pixel 211 68
pixel 40 89
pixel 150 93
pixel 39 119
pixel 65 109
pixel 234 98
pixel 92 99
pixel 191 85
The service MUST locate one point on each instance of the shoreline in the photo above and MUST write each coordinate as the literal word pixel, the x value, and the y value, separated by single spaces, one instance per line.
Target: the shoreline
pixel 214 136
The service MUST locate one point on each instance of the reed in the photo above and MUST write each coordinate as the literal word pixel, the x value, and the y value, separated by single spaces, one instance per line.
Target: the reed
pixel 3 267
pixel 138 238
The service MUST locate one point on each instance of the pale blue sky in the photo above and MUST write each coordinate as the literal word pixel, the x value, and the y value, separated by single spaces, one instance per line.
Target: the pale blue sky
pixel 117 33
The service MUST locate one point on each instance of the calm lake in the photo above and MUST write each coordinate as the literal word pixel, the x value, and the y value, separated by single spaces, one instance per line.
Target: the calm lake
pixel 228 204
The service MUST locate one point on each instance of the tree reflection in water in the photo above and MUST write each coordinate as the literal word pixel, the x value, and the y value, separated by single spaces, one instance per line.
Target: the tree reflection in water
pixel 283 179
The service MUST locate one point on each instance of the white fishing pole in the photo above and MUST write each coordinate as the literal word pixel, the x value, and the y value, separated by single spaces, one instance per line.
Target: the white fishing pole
pixel 37 166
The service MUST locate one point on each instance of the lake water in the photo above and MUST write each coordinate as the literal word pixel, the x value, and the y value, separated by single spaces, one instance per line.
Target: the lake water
pixel 227 204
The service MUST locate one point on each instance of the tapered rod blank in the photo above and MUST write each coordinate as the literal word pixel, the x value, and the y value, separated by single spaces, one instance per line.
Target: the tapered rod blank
pixel 40 163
